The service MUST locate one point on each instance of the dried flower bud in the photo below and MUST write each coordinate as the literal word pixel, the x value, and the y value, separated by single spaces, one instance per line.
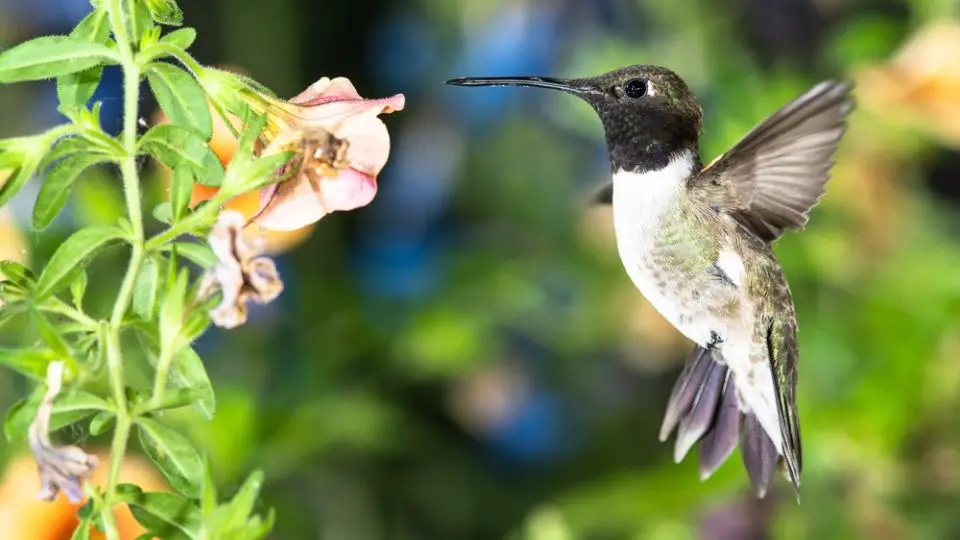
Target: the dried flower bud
pixel 240 275
pixel 61 468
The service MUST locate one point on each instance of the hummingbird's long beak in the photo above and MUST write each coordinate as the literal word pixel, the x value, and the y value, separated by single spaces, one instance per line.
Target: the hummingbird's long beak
pixel 564 85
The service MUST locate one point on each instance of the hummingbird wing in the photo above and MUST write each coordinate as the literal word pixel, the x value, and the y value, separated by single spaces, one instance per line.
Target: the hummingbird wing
pixel 773 177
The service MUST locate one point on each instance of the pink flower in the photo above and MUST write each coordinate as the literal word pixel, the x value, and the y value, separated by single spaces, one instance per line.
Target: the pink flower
pixel 341 146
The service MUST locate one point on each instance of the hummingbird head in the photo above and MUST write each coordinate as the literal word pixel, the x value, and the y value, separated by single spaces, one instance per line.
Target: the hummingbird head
pixel 649 113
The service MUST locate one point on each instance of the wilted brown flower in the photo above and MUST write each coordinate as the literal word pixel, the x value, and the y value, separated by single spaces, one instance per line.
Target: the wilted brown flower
pixel 240 275
pixel 61 468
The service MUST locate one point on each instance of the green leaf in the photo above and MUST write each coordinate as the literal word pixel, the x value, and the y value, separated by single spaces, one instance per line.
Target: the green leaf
pixel 260 173
pixel 173 454
pixel 50 56
pixel 74 253
pixel 23 168
pixel 146 289
pixel 182 38
pixel 18 274
pixel 176 398
pixel 176 145
pixel 181 97
pixel 208 494
pixel 68 408
pixel 82 532
pixel 73 402
pixel 51 336
pixel 181 190
pixel 141 22
pixel 167 515
pixel 75 89
pixel 238 510
pixel 201 254
pixel 78 288
pixel 187 371
pixel 172 313
pixel 165 12
pixel 101 422
pixel 31 362
pixel 163 212
pixel 58 184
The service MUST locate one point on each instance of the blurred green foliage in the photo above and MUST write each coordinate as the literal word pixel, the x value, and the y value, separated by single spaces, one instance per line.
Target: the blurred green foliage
pixel 348 401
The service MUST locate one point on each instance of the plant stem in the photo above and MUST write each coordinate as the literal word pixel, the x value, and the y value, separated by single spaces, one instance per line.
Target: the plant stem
pixel 131 191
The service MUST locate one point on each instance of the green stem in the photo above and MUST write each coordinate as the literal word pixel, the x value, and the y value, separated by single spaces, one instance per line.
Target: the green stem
pixel 160 382
pixel 131 191
pixel 193 220
pixel 55 305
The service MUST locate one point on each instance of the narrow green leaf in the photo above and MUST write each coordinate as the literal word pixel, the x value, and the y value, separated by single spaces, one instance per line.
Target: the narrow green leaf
pixel 181 97
pixel 78 400
pixel 146 289
pixel 163 212
pixel 165 12
pixel 18 274
pixel 68 408
pixel 78 289
pixel 101 422
pixel 21 173
pixel 31 362
pixel 167 515
pixel 208 494
pixel 75 89
pixel 181 190
pixel 201 254
pixel 187 371
pixel 181 38
pixel 172 313
pixel 238 510
pixel 176 145
pixel 57 185
pixel 141 22
pixel 261 172
pixel 82 532
pixel 173 454
pixel 65 147
pixel 195 324
pixel 73 253
pixel 50 56
pixel 51 336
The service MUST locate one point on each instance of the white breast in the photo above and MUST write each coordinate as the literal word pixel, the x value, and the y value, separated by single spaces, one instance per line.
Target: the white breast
pixel 640 201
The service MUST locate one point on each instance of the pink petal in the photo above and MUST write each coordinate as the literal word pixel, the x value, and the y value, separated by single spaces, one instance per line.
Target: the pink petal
pixel 298 202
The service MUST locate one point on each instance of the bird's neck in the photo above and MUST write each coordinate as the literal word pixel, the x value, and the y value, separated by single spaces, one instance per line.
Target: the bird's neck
pixel 645 155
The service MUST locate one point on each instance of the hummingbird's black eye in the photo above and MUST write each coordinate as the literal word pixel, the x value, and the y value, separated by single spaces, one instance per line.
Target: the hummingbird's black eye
pixel 635 88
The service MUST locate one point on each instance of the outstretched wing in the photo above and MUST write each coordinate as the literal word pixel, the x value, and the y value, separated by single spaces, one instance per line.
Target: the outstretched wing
pixel 773 177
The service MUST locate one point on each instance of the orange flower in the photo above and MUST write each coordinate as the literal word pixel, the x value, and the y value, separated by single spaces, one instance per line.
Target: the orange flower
pixel 25 517
pixel 342 146
pixel 921 84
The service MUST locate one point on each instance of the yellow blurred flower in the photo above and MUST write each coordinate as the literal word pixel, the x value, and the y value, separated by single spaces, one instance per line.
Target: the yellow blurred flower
pixel 13 246
pixel 920 84
pixel 25 517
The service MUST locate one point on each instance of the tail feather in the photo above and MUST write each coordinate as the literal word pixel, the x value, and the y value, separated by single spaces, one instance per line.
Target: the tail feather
pixel 718 443
pixel 699 418
pixel 759 454
pixel 685 390
pixel 704 406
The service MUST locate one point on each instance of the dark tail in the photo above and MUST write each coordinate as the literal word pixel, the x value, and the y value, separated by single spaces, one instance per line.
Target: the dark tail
pixel 704 407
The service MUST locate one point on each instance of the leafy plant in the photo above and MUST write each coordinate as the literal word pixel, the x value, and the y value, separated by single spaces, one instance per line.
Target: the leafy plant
pixel 158 301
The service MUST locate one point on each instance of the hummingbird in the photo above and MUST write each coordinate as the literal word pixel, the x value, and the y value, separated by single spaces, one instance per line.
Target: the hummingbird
pixel 697 242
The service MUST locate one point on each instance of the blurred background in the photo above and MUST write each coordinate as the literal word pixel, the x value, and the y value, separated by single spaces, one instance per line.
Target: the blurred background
pixel 465 358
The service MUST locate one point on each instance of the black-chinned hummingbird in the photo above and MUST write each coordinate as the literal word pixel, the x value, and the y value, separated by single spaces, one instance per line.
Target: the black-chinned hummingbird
pixel 697 242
